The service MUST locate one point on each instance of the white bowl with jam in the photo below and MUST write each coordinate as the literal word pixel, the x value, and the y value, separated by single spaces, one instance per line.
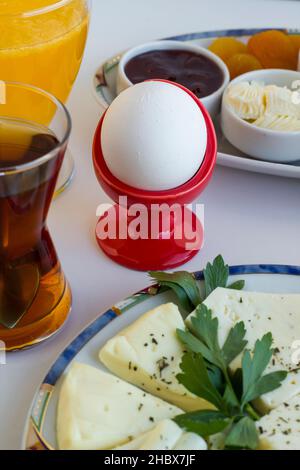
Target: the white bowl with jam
pixel 192 66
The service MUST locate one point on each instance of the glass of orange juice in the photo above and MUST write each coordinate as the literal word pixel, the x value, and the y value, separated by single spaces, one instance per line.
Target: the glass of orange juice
pixel 42 44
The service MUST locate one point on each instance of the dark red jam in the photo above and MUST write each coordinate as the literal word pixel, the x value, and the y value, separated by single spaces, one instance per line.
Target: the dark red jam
pixel 194 71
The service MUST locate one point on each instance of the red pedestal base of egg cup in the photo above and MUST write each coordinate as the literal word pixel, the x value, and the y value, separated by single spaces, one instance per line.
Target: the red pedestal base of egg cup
pixel 171 244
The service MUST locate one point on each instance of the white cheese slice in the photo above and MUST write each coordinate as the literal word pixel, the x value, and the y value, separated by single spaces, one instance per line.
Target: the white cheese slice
pixel 148 354
pixel 191 441
pixel 217 441
pixel 166 435
pixel 97 410
pixel 263 313
pixel 280 429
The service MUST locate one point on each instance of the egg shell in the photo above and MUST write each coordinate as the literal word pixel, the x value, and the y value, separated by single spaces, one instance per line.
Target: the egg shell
pixel 154 136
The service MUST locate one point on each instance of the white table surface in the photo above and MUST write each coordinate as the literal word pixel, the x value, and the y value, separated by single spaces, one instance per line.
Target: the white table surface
pixel 249 218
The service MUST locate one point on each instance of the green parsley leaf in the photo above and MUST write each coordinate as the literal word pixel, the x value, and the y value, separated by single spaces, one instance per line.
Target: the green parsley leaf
pixel 205 327
pixel 203 338
pixel 185 281
pixel 231 400
pixel 265 384
pixel 193 344
pixel 237 382
pixel 180 293
pixel 204 422
pixel 235 343
pixel 215 275
pixel 205 373
pixel 216 377
pixel 186 286
pixel 243 435
pixel 195 378
pixel 237 285
pixel 253 367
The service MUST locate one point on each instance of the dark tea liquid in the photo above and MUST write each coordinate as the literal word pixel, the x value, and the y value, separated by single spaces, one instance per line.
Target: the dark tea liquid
pixel 34 295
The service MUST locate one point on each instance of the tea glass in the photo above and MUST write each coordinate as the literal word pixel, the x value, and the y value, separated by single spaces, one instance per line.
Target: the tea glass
pixel 35 298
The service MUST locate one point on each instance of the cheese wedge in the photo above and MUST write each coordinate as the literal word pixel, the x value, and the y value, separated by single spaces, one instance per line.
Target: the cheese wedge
pixel 99 411
pixel 262 313
pixel 166 435
pixel 280 429
pixel 148 354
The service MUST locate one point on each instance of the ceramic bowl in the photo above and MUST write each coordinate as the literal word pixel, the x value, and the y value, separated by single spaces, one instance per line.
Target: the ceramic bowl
pixel 263 144
pixel 211 102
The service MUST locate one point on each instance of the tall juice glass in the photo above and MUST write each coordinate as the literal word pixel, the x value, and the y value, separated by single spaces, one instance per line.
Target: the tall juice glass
pixel 35 298
pixel 42 44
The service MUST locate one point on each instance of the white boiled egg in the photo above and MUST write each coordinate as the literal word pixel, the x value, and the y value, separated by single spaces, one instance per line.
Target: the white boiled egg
pixel 154 136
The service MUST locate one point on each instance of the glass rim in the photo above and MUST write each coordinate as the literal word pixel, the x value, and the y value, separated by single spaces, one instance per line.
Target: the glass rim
pixel 38 11
pixel 22 167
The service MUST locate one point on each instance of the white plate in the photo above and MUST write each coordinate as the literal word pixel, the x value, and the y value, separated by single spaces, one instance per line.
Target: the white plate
pixel 41 424
pixel 104 90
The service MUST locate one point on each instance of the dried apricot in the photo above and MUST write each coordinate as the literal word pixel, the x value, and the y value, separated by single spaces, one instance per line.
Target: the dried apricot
pixel 227 47
pixel 273 49
pixel 242 63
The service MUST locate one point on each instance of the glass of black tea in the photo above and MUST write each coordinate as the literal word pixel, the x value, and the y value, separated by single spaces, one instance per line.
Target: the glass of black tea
pixel 35 298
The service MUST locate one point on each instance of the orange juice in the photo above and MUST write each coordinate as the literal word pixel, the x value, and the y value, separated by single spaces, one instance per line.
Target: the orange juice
pixel 42 43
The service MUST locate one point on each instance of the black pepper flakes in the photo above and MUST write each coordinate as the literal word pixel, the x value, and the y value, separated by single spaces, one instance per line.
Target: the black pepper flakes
pixel 162 364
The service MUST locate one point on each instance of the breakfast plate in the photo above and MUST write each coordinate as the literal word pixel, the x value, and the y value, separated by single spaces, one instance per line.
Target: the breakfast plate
pixel 104 90
pixel 40 430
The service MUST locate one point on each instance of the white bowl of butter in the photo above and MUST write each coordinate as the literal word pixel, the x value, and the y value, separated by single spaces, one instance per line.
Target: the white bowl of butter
pixel 261 114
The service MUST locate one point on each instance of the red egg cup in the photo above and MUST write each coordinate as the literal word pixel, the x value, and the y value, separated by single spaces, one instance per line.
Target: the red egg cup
pixel 172 245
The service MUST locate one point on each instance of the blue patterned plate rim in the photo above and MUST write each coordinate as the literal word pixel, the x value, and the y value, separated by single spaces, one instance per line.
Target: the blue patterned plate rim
pixel 33 438
pixel 226 32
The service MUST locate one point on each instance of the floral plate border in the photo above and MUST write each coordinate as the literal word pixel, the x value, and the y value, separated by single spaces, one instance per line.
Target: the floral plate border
pixel 33 437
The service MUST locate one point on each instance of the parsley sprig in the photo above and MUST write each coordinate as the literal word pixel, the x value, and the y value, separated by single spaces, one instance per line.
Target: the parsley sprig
pixel 205 366
pixel 185 285
pixel 205 372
